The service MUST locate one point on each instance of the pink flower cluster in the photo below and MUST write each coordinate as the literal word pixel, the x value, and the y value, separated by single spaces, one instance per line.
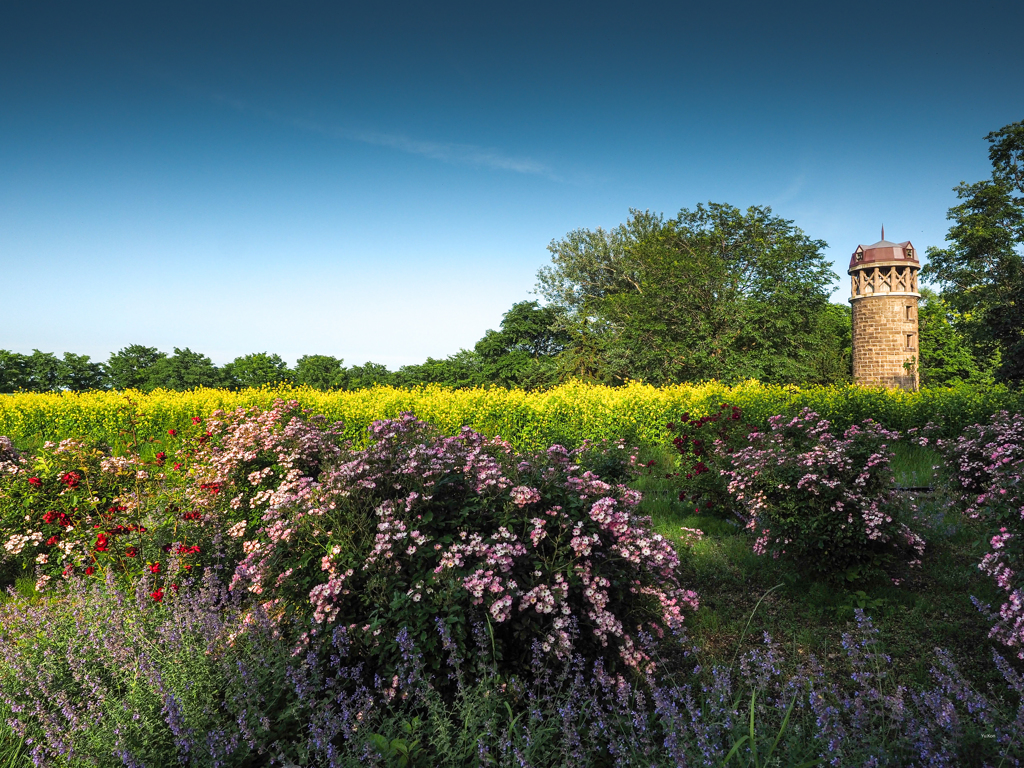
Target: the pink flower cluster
pixel 539 543
pixel 815 496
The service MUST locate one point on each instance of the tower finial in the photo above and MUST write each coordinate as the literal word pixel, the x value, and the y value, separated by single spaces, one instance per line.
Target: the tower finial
pixel 883 231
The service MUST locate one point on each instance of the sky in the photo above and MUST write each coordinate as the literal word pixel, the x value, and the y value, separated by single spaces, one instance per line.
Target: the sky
pixel 380 181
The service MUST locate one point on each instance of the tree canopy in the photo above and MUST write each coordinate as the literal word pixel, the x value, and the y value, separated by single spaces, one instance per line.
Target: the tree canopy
pixel 715 293
pixel 981 270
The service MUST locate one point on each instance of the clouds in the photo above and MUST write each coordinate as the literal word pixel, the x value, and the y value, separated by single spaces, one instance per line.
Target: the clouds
pixel 455 153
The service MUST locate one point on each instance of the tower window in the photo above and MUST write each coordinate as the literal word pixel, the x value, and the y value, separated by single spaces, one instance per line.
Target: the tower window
pixel 910 341
pixel 910 313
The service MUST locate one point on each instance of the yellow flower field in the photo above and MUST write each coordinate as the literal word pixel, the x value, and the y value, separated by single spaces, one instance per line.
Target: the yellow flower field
pixel 565 414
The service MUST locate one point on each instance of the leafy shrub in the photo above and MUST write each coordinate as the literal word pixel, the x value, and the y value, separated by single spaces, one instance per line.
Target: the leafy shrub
pixel 418 525
pixel 74 508
pixel 986 467
pixel 704 445
pixel 380 538
pixel 822 501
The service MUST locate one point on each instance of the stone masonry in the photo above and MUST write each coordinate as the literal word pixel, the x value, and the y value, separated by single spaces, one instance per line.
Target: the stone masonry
pixel 884 299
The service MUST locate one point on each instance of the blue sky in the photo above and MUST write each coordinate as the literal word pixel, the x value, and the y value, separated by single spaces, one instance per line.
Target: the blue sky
pixel 380 181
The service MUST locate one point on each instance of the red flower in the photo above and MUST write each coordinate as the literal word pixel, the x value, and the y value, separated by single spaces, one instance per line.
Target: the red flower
pixel 101 543
pixel 158 596
pixel 177 466
pixel 193 515
pixel 70 479
pixel 64 520
pixel 197 420
pixel 172 432
pixel 130 552
pixel 55 539
pixel 90 571
pixel 50 517
pixel 174 587
pixel 155 568
pixel 183 550
pixel 35 482
pixel 161 458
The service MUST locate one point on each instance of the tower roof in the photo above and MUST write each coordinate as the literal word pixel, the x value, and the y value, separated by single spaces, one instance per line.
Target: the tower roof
pixel 883 250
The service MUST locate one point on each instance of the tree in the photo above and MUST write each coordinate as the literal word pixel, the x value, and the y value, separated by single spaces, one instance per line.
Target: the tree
pixel 184 370
pixel 831 361
pixel 524 352
pixel 45 372
pixel 257 370
pixel 77 373
pixel 981 271
pixel 716 293
pixel 321 372
pixel 130 367
pixel 946 357
pixel 457 371
pixel 369 374
pixel 14 372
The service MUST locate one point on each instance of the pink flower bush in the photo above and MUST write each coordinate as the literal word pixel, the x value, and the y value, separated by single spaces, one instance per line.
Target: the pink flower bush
pixel 419 525
pixel 821 500
pixel 986 467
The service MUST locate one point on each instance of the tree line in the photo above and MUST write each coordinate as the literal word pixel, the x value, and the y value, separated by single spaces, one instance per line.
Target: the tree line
pixel 712 293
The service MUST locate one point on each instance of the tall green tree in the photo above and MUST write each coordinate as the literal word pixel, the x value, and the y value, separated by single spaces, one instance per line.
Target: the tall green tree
pixel 715 293
pixel 981 270
pixel 77 373
pixel 946 356
pixel 45 372
pixel 256 370
pixel 184 370
pixel 459 370
pixel 129 368
pixel 369 374
pixel 14 372
pixel 524 352
pixel 321 372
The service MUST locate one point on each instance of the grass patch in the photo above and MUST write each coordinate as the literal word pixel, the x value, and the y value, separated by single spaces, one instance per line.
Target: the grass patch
pixel 929 608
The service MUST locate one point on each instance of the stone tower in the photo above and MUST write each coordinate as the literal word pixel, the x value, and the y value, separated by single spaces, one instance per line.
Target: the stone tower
pixel 884 298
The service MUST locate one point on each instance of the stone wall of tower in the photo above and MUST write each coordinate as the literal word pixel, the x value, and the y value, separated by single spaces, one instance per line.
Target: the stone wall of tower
pixel 885 338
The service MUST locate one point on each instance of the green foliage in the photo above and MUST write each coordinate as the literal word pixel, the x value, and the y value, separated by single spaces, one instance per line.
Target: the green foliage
pixel 716 293
pixel 184 370
pixel 321 372
pixel 982 270
pixel 459 370
pixel 946 357
pixel 523 353
pixel 257 370
pixel 369 374
pixel 45 372
pixel 130 367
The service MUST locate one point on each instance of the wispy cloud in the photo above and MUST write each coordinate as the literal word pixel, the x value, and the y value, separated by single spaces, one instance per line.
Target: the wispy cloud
pixel 446 152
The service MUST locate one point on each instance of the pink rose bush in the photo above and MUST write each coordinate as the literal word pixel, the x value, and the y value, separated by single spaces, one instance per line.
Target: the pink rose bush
pixel 985 469
pixel 821 500
pixel 416 526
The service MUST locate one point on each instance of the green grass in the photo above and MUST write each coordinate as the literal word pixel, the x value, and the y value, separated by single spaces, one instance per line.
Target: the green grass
pixel 914 465
pixel 930 608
